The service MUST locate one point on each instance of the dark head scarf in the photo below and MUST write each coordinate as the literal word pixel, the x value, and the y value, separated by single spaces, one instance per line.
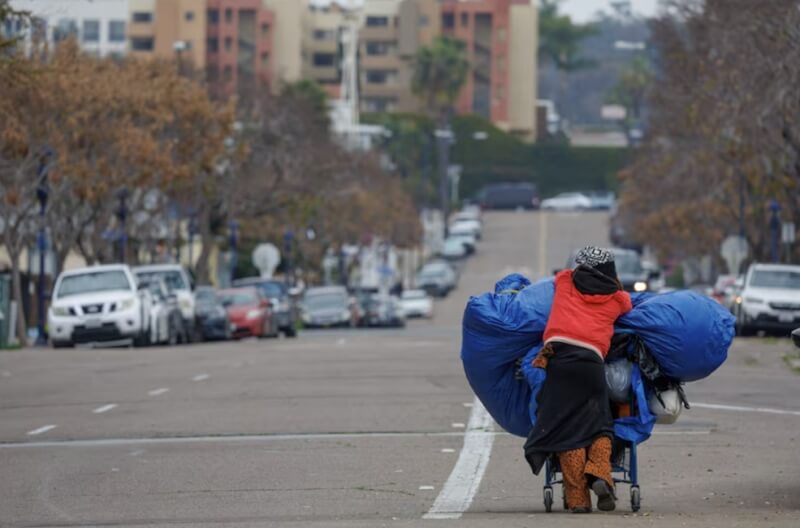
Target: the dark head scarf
pixel 596 273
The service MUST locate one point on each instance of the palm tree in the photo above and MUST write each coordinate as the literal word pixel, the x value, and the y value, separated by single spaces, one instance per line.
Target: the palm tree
pixel 559 43
pixel 440 72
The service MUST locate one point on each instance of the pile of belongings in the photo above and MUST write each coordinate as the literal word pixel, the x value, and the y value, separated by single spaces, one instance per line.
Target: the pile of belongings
pixel 664 341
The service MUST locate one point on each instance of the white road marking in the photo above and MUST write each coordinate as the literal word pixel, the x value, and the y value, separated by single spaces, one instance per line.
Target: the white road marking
pixel 765 410
pixel 221 439
pixel 158 392
pixel 136 452
pixel 463 482
pixel 201 377
pixel 41 430
pixel 448 450
pixel 467 405
pixel 426 488
pixel 104 408
pixel 457 425
pixel 341 342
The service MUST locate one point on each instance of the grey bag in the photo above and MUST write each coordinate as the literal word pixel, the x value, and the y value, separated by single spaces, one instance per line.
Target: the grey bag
pixel 618 380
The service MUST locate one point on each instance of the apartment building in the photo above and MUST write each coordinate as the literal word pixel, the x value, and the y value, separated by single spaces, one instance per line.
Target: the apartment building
pixel 169 29
pixel 501 37
pixel 100 27
pixel 322 47
pixel 291 23
pixel 392 31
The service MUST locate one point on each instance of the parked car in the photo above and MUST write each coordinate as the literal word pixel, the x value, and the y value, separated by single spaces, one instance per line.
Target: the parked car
pixel 166 319
pixel 417 303
pixel 472 228
pixel 329 306
pixel 769 300
pixel 468 213
pixel 723 288
pixel 509 196
pixel 178 281
pixel 469 242
pixel 601 200
pixel 249 311
pixel 453 249
pixel 211 317
pixel 384 311
pixel 99 304
pixel 630 270
pixel 284 306
pixel 796 337
pixel 571 201
pixel 436 278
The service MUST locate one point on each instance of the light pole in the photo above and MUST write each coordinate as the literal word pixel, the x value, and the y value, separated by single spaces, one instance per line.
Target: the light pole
pixel 288 238
pixel 444 138
pixel 122 215
pixel 234 240
pixel 42 191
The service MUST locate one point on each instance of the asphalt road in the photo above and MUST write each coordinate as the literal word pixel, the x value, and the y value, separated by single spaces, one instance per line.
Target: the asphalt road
pixel 365 428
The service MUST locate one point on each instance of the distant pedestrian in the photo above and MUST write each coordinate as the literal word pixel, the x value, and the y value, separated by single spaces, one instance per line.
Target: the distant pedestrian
pixel 574 417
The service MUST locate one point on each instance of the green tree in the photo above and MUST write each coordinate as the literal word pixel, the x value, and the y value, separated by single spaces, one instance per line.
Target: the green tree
pixel 560 42
pixel 440 72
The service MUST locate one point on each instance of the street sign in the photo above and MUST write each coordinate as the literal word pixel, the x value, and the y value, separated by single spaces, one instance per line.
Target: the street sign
pixel 788 233
pixel 266 258
pixel 734 250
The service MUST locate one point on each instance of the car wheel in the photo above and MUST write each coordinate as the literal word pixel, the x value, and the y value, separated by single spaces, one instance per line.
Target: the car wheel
pixel 290 331
pixel 173 336
pixel 63 344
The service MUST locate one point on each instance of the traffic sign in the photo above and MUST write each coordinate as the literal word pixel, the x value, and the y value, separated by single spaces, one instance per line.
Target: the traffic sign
pixel 788 233
pixel 734 250
pixel 266 258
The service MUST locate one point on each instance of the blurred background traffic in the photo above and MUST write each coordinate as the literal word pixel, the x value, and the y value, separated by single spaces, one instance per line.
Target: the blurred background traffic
pixel 259 168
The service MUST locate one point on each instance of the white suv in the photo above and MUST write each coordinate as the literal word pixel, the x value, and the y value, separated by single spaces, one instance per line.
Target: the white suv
pixel 98 304
pixel 177 280
pixel 769 299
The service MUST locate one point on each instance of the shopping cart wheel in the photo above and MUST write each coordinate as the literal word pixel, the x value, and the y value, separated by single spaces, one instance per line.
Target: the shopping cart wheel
pixel 548 499
pixel 636 499
pixel 564 498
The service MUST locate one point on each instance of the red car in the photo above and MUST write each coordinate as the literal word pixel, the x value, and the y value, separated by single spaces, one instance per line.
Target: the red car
pixel 249 311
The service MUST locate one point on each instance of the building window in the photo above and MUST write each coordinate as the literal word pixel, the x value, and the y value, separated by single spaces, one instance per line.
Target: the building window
pixel 381 76
pixel 228 16
pixel 378 48
pixel 464 19
pixel 212 44
pixel 212 73
pixel 66 28
pixel 142 44
pixel 377 21
pixel 264 30
pixel 324 59
pixel 228 72
pixel 264 59
pixel 448 21
pixel 213 16
pixel 116 31
pixel 424 20
pixel 324 34
pixel 189 16
pixel 380 104
pixel 142 17
pixel 91 31
pixel 228 43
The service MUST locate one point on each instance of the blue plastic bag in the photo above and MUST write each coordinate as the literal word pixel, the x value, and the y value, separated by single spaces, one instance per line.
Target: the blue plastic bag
pixel 688 334
pixel 499 328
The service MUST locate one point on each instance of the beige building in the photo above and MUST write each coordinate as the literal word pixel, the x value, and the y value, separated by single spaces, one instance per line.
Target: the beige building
pixel 392 31
pixel 322 47
pixel 167 29
pixel 291 22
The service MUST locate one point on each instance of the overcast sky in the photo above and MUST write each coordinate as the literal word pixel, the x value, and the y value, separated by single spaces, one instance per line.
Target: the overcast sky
pixel 580 10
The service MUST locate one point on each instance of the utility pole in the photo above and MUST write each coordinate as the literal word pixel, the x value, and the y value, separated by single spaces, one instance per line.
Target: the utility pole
pixel 444 137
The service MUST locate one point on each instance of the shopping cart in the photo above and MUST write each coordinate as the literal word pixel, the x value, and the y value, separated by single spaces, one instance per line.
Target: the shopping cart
pixel 623 467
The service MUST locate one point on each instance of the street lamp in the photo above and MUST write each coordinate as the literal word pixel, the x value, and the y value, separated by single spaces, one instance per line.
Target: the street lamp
pixel 444 138
pixel 122 215
pixel 42 191
pixel 234 239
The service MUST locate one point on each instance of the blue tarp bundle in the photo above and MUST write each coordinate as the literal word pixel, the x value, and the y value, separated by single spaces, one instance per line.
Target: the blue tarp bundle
pixel 688 335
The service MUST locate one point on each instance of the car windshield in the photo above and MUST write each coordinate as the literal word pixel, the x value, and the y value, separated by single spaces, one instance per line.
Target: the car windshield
pixel 99 281
pixel 173 278
pixel 238 298
pixel 325 300
pixel 414 295
pixel 628 263
pixel 789 280
pixel 205 297
pixel 272 289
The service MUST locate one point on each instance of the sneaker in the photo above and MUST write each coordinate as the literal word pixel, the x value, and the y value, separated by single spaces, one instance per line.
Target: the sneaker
pixel 605 495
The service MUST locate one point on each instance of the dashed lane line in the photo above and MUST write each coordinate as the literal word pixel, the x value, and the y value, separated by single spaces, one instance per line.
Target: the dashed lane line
pixel 42 430
pixel 201 377
pixel 105 408
pixel 158 392
pixel 742 408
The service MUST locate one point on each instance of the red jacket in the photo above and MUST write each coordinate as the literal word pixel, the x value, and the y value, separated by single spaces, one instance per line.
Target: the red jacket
pixel 584 320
